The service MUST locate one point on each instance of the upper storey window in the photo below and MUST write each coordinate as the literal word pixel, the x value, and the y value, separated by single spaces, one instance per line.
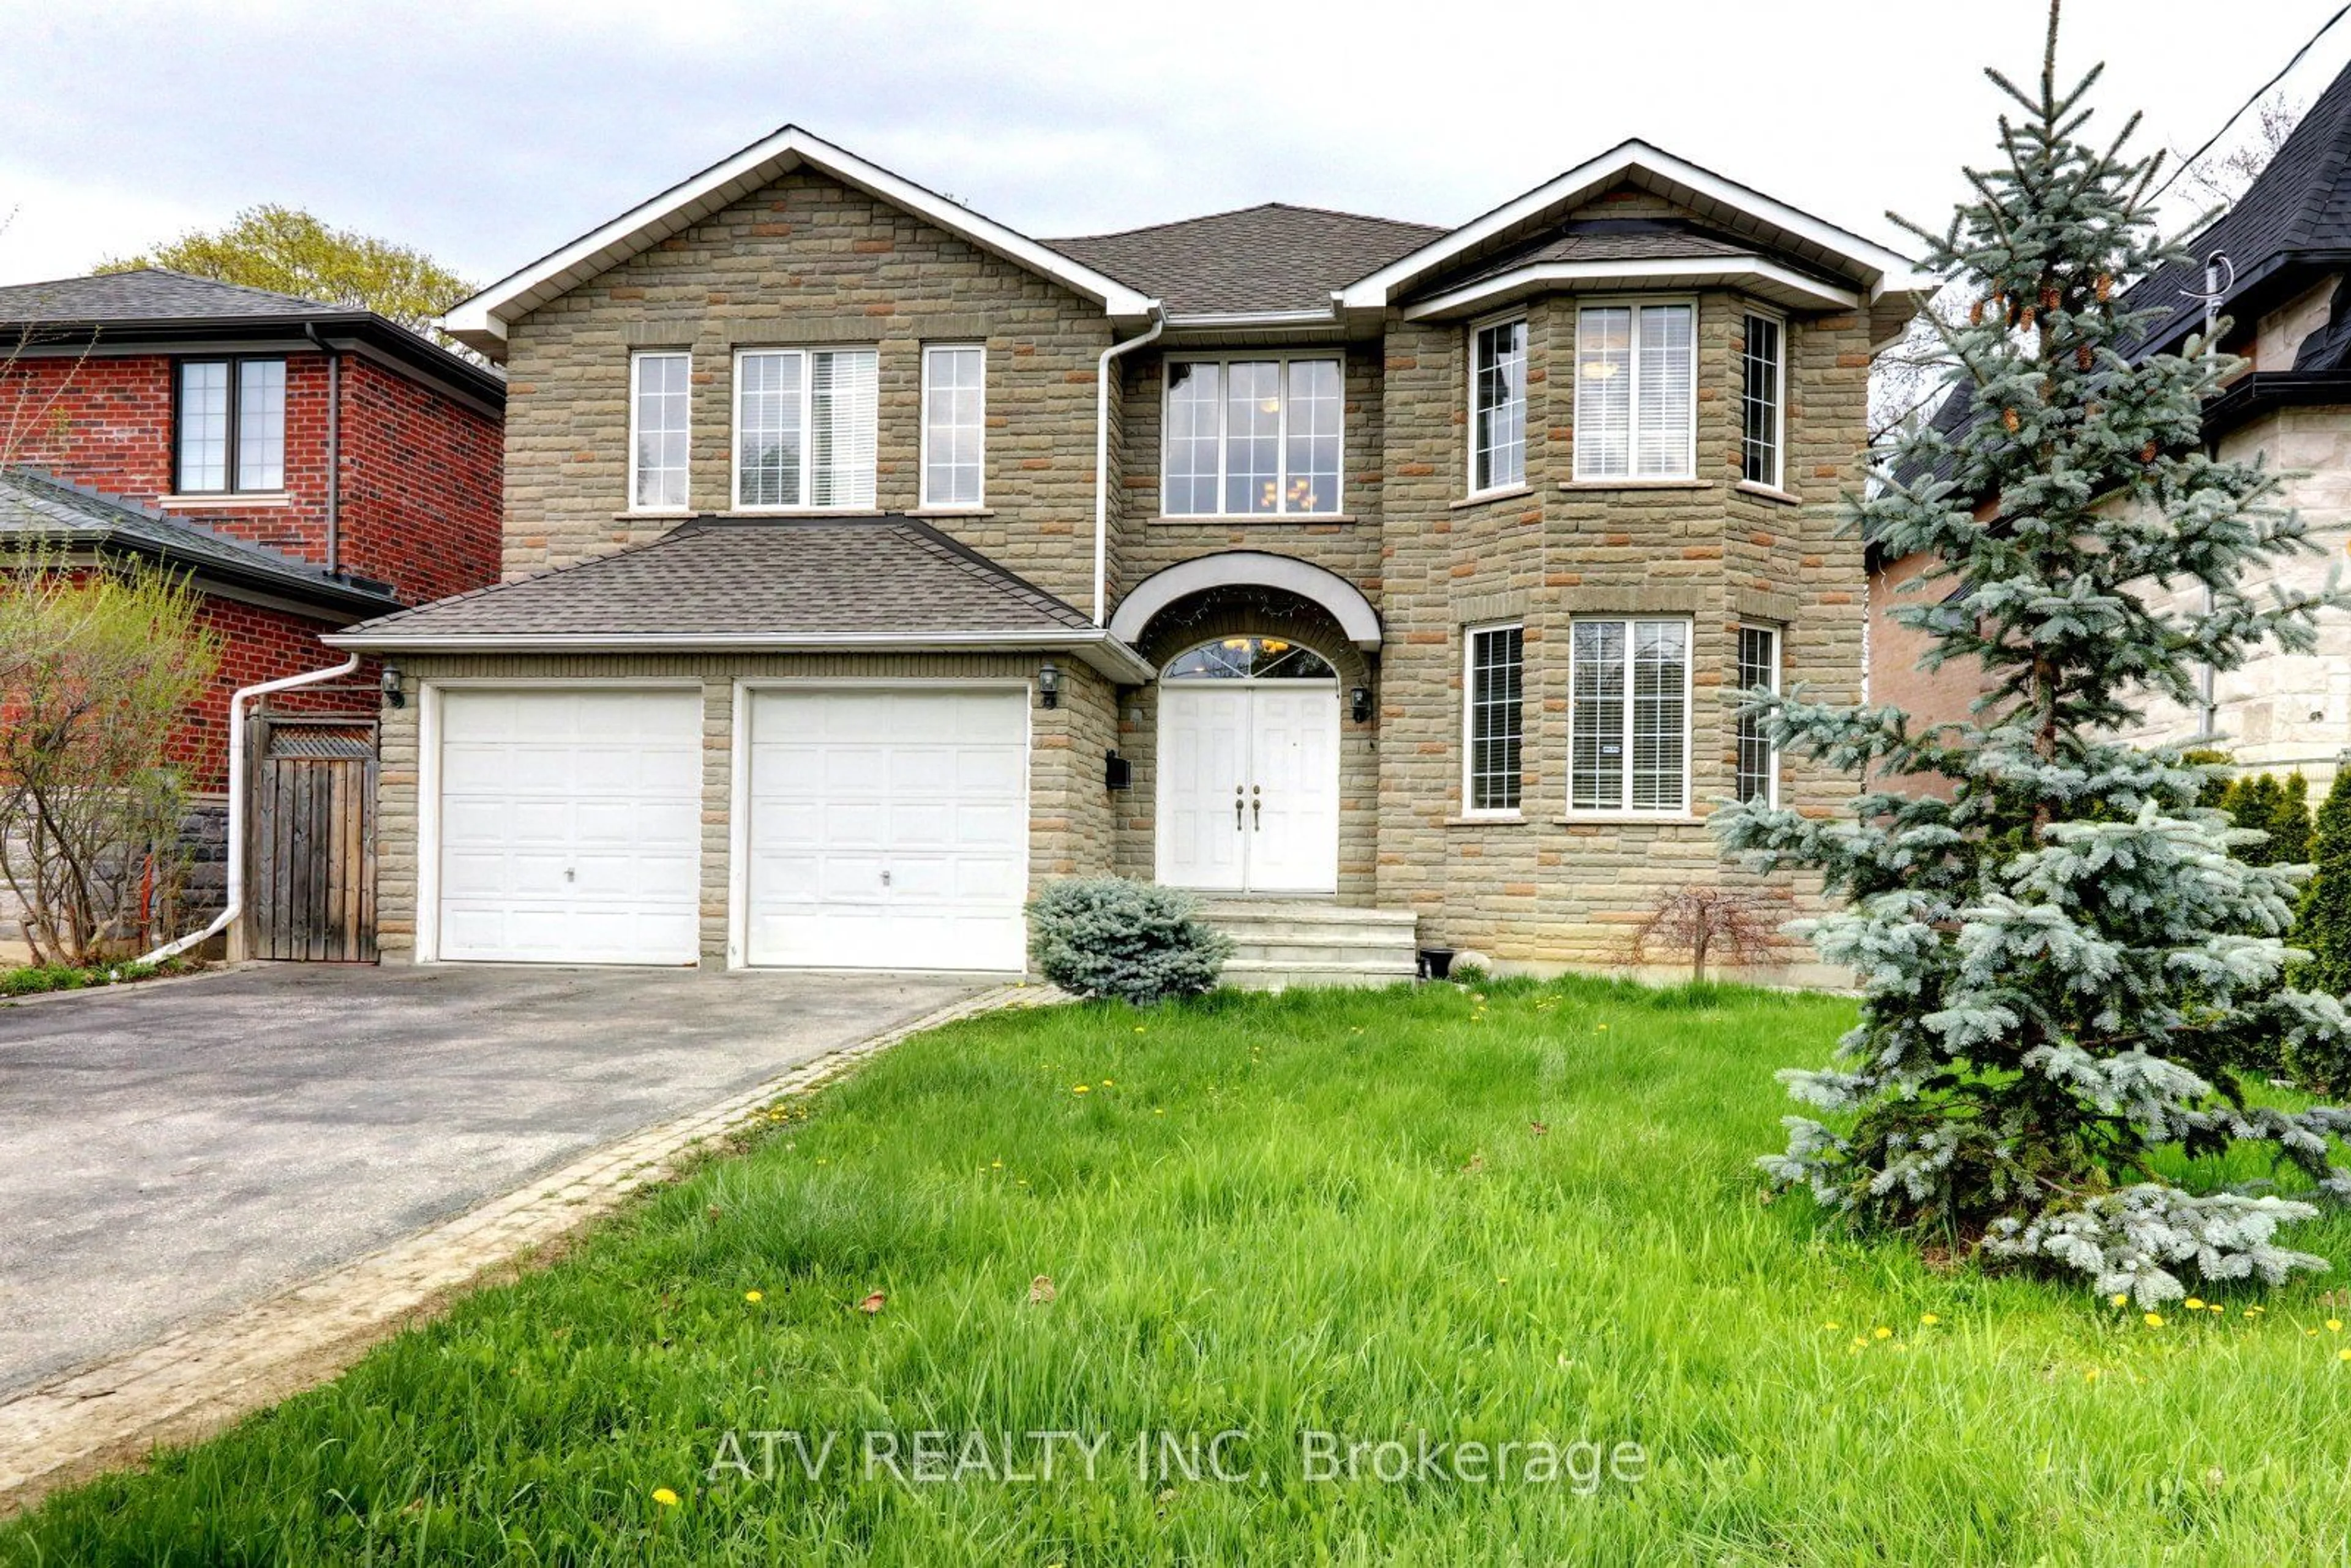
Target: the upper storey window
pixel 1256 436
pixel 805 426
pixel 659 395
pixel 230 431
pixel 955 423
pixel 1497 406
pixel 1637 391
pixel 1762 368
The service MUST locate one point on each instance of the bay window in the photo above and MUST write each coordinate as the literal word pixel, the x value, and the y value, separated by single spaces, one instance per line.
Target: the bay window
pixel 1495 719
pixel 1251 436
pixel 1628 717
pixel 805 424
pixel 1497 407
pixel 1637 391
pixel 660 395
pixel 229 427
pixel 1760 378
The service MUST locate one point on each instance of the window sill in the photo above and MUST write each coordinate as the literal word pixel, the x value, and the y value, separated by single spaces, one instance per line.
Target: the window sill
pixel 1483 497
pixel 1488 819
pixel 1227 519
pixel 1767 493
pixel 804 512
pixel 1636 484
pixel 1664 818
pixel 953 512
pixel 225 500
pixel 656 514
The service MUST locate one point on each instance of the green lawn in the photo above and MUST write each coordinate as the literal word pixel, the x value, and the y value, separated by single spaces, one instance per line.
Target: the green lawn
pixel 1521 1215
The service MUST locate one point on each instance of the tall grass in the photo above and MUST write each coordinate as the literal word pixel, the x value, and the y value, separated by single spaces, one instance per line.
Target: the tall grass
pixel 1517 1214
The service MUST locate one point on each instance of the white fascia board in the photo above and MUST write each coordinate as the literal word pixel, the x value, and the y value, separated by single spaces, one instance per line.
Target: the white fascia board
pixel 481 321
pixel 1887 271
pixel 1759 276
pixel 1103 652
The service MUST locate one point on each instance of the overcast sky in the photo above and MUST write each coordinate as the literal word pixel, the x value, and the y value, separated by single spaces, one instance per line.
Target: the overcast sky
pixel 494 135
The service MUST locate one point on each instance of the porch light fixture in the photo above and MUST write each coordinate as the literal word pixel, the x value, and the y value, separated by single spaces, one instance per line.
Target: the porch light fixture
pixel 1049 685
pixel 393 696
pixel 1359 704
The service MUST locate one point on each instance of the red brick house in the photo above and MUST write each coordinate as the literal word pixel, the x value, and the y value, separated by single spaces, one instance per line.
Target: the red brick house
pixel 307 466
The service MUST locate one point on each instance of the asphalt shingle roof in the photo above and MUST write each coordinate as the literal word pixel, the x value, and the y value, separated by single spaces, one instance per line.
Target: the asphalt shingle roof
pixel 149 293
pixel 773 577
pixel 37 507
pixel 1269 257
pixel 2301 201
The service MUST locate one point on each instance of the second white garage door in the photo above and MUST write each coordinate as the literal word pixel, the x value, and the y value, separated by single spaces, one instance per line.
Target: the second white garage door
pixel 888 828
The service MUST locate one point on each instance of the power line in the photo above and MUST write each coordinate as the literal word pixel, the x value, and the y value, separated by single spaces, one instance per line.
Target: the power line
pixel 2185 163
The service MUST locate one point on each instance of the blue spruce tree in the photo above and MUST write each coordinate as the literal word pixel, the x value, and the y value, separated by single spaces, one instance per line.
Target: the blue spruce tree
pixel 2065 969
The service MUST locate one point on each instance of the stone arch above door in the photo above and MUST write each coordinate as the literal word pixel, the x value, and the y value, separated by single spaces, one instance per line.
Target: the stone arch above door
pixel 1243 570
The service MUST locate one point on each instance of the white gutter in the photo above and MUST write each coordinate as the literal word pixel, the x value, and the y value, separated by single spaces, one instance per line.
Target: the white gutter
pixel 235 903
pixel 1101 454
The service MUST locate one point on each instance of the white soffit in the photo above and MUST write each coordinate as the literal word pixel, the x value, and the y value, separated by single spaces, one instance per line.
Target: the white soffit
pixel 481 321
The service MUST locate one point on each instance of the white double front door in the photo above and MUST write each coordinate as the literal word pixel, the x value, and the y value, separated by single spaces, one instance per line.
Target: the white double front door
pixel 1248 786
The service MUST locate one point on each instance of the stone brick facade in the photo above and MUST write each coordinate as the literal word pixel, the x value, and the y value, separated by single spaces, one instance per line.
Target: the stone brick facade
pixel 808 261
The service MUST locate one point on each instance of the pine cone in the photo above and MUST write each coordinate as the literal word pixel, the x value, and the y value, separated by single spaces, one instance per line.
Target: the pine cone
pixel 2051 299
pixel 2106 288
pixel 2085 356
pixel 2010 422
pixel 2026 318
pixel 1975 314
pixel 2147 454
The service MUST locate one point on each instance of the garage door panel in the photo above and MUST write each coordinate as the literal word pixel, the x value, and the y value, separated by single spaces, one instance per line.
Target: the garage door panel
pixel 569 824
pixel 887 829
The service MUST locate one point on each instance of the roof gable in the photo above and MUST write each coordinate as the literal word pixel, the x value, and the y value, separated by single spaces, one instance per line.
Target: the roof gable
pixel 481 321
pixel 1725 207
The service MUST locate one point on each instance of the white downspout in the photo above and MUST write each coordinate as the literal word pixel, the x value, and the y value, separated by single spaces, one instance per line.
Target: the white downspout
pixel 1102 456
pixel 234 904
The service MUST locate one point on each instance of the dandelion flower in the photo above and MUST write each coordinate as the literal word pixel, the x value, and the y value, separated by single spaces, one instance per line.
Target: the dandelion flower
pixel 2334 1325
pixel 1832 1323
pixel 666 1497
pixel 1082 1088
pixel 2153 1320
pixel 2193 1305
pixel 1881 1332
pixel 2343 1355
pixel 2119 1298
pixel 1929 1319
pixel 754 1296
pixel 2091 1375
pixel 2216 1307
pixel 1106 1082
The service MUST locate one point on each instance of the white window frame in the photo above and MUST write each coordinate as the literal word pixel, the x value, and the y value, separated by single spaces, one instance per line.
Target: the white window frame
pixel 1634 303
pixel 930 503
pixel 807 354
pixel 636 501
pixel 1778 481
pixel 1779 635
pixel 1625 810
pixel 1526 405
pixel 1469 637
pixel 1283 357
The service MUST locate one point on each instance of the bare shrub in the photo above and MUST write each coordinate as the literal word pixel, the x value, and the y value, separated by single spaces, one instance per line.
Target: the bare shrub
pixel 1737 926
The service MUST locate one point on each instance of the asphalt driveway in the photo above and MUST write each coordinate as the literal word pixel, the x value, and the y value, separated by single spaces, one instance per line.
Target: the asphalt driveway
pixel 171 1152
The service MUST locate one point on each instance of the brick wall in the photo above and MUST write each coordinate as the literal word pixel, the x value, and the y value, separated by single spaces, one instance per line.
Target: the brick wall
pixel 418 470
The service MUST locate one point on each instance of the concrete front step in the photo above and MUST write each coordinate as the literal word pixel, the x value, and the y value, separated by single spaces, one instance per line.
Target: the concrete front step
pixel 1278 943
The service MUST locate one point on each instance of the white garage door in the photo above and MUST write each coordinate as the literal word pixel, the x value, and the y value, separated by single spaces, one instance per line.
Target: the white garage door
pixel 570 825
pixel 888 828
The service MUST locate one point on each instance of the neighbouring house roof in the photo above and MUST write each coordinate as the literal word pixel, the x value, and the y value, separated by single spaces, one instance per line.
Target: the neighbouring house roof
pixel 891 582
pixel 2297 212
pixel 1271 257
pixel 480 322
pixel 36 508
pixel 154 310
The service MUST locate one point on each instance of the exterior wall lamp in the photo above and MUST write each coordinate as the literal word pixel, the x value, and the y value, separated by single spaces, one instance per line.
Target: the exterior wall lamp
pixel 1048 685
pixel 1359 704
pixel 393 695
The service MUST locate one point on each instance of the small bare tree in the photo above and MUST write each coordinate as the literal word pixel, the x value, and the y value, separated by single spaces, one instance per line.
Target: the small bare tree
pixel 1738 927
pixel 98 665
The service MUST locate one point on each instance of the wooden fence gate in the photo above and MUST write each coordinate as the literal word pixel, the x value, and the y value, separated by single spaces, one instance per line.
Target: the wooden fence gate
pixel 311 888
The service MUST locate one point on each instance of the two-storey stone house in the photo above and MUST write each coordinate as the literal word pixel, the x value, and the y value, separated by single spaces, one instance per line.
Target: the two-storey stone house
pixel 870 563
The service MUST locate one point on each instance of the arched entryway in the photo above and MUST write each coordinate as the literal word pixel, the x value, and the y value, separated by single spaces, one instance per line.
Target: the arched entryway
pixel 1249 767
